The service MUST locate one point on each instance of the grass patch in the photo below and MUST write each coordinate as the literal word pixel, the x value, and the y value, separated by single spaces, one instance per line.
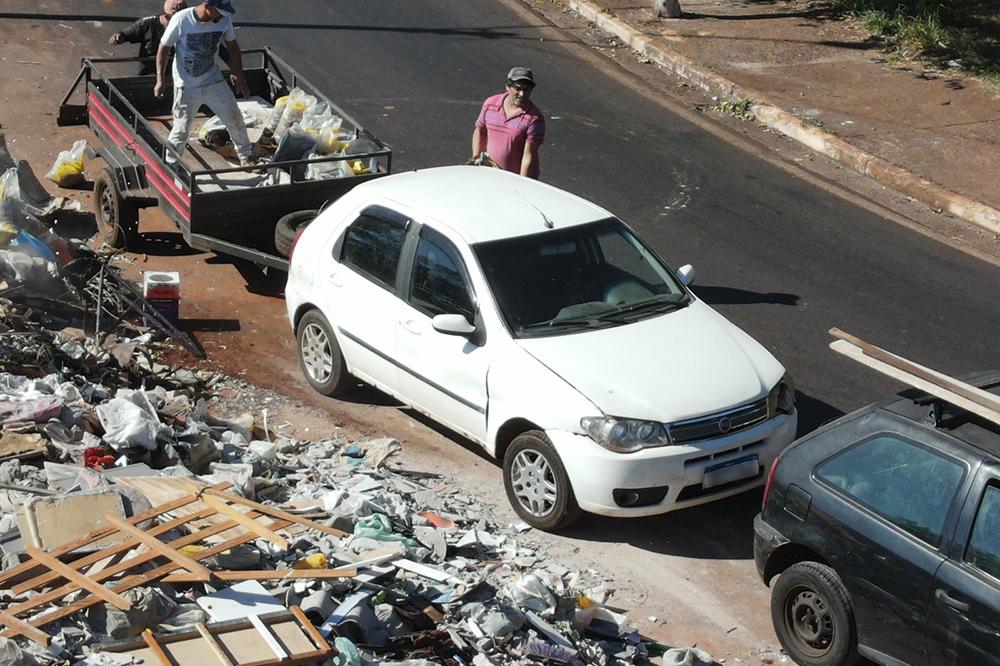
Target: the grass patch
pixel 943 31
pixel 739 107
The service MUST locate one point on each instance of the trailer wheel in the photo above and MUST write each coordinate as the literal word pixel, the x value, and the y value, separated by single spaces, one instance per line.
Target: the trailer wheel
pixel 117 219
pixel 288 228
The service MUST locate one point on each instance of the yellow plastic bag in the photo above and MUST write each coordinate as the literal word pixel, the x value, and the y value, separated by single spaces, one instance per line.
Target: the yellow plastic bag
pixel 68 168
pixel 314 561
pixel 7 231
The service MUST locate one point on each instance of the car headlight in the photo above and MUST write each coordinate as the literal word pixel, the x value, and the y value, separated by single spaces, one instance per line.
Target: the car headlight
pixel 624 435
pixel 781 399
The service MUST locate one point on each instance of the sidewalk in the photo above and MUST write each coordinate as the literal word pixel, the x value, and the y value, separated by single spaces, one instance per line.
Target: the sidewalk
pixel 929 133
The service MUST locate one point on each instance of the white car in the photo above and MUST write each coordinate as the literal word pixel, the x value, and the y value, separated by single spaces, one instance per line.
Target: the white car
pixel 539 325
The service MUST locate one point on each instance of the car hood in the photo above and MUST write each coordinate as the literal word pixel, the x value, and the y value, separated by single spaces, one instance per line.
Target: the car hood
pixel 671 367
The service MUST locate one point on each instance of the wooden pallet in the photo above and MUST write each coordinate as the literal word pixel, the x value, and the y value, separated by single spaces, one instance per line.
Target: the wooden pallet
pixel 104 576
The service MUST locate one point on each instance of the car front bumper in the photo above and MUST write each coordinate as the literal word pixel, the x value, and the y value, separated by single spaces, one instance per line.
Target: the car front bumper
pixel 595 472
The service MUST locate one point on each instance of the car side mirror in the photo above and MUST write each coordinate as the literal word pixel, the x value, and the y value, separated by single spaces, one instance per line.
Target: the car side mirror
pixel 453 324
pixel 686 274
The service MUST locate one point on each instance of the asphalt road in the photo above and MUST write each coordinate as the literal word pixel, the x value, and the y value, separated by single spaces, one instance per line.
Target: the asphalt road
pixel 780 257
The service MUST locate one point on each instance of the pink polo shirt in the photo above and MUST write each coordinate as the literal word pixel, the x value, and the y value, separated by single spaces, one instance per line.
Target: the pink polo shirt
pixel 505 137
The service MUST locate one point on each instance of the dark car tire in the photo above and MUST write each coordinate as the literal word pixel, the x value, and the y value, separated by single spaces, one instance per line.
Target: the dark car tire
pixel 531 460
pixel 320 357
pixel 117 219
pixel 288 227
pixel 813 617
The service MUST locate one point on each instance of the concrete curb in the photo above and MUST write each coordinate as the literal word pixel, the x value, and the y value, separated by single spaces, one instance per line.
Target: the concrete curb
pixel 790 125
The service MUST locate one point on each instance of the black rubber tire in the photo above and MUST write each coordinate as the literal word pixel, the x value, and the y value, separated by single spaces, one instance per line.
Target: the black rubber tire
pixel 317 345
pixel 825 634
pixel 117 220
pixel 288 228
pixel 564 511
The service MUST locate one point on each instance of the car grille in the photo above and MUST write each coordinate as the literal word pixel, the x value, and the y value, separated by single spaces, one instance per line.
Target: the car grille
pixel 724 423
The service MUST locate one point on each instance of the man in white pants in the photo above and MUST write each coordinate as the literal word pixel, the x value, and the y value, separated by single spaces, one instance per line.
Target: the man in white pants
pixel 195 34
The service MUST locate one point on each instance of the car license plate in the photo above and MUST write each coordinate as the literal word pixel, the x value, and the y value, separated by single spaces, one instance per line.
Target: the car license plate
pixel 719 474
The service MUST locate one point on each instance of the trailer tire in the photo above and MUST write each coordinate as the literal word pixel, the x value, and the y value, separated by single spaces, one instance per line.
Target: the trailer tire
pixel 288 228
pixel 117 219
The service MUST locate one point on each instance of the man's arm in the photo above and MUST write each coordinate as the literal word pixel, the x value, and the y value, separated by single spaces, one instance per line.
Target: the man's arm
pixel 237 77
pixel 530 166
pixel 162 55
pixel 478 141
pixel 132 34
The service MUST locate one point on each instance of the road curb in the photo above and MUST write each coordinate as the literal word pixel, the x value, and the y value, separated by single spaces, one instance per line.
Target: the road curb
pixel 780 120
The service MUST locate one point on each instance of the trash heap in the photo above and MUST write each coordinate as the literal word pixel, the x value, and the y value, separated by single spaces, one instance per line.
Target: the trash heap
pixel 296 127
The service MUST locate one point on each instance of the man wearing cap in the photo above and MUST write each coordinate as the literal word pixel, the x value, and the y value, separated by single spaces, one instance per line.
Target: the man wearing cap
pixel 146 32
pixel 510 128
pixel 195 33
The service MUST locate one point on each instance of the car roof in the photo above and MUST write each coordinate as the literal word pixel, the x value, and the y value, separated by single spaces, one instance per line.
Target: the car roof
pixel 915 405
pixel 483 204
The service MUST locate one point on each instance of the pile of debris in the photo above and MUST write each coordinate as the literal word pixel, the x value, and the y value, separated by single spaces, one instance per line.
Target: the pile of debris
pixel 136 526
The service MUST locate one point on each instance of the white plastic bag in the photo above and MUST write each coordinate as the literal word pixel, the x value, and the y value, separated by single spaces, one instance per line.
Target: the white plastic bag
pixel 293 110
pixel 68 168
pixel 326 170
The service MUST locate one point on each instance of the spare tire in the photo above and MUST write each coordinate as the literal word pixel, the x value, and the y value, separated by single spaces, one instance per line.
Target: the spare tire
pixel 288 228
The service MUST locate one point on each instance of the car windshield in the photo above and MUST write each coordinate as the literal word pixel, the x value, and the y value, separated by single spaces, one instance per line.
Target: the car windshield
pixel 586 276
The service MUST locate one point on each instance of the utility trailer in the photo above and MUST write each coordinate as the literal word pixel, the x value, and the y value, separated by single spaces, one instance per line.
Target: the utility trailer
pixel 205 196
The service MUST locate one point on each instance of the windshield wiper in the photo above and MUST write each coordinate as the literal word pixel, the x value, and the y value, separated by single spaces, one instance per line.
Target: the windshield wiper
pixel 574 322
pixel 658 304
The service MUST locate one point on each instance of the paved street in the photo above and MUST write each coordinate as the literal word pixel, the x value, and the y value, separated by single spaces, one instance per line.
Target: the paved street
pixel 780 257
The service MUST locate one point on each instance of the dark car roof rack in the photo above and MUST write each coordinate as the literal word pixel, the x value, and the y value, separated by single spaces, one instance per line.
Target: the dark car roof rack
pixel 953 391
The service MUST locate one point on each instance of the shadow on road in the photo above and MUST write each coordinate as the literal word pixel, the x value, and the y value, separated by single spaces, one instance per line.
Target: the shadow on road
pixel 733 296
pixel 162 244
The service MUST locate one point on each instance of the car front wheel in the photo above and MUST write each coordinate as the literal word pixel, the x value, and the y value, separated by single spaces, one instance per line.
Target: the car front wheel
pixel 812 616
pixel 320 356
pixel 536 483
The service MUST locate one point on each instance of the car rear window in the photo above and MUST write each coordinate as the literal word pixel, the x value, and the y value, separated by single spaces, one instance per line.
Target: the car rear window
pixel 984 546
pixel 905 483
pixel 372 246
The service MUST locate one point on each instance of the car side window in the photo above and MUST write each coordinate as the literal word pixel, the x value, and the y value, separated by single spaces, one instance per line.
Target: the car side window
pixel 439 284
pixel 984 546
pixel 372 247
pixel 907 484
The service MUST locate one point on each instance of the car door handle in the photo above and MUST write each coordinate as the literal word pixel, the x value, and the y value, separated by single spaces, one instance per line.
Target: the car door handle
pixel 335 279
pixel 410 325
pixel 951 601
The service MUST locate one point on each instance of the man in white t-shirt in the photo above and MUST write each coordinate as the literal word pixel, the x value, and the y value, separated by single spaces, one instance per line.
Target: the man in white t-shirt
pixel 195 34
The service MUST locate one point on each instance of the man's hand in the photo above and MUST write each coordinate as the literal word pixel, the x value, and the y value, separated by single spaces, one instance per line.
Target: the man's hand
pixel 115 39
pixel 158 89
pixel 240 84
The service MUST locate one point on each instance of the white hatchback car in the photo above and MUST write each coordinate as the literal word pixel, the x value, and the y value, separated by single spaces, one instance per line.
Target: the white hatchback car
pixel 539 325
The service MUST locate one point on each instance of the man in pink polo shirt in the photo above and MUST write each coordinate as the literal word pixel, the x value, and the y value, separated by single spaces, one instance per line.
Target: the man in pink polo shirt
pixel 510 128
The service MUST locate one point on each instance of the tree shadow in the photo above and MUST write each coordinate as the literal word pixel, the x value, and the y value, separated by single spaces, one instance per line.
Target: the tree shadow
pixel 733 296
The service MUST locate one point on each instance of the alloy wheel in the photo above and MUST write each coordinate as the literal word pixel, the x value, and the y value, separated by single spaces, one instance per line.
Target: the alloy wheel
pixel 317 356
pixel 534 483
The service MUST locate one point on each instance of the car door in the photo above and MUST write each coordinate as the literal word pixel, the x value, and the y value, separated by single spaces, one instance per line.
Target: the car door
pixel 893 500
pixel 964 626
pixel 360 297
pixel 441 374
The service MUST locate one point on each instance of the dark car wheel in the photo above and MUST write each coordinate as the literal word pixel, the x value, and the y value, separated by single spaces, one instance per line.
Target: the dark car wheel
pixel 288 227
pixel 320 357
pixel 812 616
pixel 536 482
pixel 117 219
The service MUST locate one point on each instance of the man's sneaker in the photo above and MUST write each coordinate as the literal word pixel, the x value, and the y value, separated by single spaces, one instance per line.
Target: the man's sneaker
pixel 252 165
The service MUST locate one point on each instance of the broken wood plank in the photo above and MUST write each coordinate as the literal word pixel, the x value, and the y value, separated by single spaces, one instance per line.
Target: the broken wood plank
pixel 157 649
pixel 102 532
pixel 309 627
pixel 78 579
pixel 128 582
pixel 243 519
pixel 277 513
pixel 214 644
pixel 266 574
pixel 24 628
pixel 161 548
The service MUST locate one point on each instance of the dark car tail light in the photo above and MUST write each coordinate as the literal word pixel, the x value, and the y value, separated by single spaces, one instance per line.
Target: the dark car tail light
pixel 770 481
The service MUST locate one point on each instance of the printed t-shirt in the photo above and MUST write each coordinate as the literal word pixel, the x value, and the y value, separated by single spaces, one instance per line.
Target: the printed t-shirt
pixel 505 137
pixel 196 44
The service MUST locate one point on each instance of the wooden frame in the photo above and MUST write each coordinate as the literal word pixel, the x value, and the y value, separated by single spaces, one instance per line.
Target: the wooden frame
pixel 105 577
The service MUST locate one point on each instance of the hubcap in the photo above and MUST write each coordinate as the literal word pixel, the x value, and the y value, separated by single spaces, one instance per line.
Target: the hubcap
pixel 534 483
pixel 317 357
pixel 810 619
pixel 107 205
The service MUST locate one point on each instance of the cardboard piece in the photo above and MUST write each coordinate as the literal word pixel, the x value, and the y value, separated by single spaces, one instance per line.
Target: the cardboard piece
pixel 50 522
pixel 15 445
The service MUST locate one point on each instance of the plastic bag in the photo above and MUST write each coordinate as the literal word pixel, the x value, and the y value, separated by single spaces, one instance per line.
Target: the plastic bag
pixel 325 170
pixel 27 244
pixel 68 168
pixel 327 130
pixel 213 133
pixel 295 108
pixel 360 146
